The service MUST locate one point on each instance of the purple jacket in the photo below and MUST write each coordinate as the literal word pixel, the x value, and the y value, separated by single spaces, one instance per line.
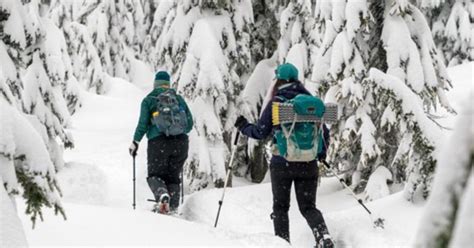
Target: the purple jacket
pixel 263 128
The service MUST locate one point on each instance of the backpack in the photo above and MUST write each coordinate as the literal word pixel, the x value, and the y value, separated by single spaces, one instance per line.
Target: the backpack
pixel 301 119
pixel 170 116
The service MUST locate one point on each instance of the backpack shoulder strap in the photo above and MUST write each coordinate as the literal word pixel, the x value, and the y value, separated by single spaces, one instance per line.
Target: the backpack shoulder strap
pixel 281 98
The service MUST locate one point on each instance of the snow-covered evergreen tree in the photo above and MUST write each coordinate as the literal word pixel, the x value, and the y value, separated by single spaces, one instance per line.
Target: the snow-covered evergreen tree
pixel 12 234
pixel 296 44
pixel 25 168
pixel 452 25
pixel 43 101
pixel 139 24
pixel 111 26
pixel 13 40
pixel 384 113
pixel 86 61
pixel 452 189
pixel 264 33
pixel 162 17
pixel 29 38
pixel 174 23
pixel 10 70
pixel 25 162
pixel 59 65
pixel 84 64
pixel 175 33
pixel 253 160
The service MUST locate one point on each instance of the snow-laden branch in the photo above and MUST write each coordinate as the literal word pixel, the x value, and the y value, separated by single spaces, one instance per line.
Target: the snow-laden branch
pixel 25 161
pixel 411 103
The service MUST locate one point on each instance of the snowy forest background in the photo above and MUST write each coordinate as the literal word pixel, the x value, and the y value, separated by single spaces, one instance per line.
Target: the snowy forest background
pixel 383 62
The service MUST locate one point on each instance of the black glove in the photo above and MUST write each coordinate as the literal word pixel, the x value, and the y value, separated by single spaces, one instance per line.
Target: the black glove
pixel 241 122
pixel 321 157
pixel 133 149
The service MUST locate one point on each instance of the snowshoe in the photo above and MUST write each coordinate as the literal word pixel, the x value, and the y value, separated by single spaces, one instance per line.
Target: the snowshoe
pixel 325 242
pixel 162 207
pixel 323 239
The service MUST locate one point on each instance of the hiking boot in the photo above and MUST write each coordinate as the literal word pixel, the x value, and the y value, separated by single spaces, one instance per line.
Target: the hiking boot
pixel 323 239
pixel 163 206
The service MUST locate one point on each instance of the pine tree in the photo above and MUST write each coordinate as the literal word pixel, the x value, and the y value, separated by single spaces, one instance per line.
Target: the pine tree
pixel 453 185
pixel 379 63
pixel 85 64
pixel 43 101
pixel 59 65
pixel 11 73
pixel 175 33
pixel 264 36
pixel 253 158
pixel 111 27
pixel 12 235
pixel 452 24
pixel 25 161
pixel 33 39
pixel 242 22
pixel 296 44
pixel 28 162
pixel 162 17
pixel 13 41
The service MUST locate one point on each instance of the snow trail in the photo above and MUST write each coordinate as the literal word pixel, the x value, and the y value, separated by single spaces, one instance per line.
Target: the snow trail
pixel 99 172
pixel 103 129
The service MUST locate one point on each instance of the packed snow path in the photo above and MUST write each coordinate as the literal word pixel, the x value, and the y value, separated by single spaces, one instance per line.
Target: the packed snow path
pixel 97 189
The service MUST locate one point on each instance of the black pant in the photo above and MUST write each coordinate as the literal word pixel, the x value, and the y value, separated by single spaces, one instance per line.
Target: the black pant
pixel 166 157
pixel 305 177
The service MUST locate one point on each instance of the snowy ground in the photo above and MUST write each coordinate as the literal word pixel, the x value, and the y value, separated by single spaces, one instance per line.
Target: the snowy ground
pixel 97 188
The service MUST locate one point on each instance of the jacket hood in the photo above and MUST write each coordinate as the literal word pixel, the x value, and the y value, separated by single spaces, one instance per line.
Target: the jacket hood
pixel 291 90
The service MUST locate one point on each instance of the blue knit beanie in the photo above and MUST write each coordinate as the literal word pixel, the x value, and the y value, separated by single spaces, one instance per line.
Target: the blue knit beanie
pixel 162 78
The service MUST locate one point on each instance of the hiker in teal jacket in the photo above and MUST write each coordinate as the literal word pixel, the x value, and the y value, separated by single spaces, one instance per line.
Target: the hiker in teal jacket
pixel 166 152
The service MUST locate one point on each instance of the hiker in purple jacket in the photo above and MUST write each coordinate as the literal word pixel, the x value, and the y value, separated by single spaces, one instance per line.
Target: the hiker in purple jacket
pixel 283 173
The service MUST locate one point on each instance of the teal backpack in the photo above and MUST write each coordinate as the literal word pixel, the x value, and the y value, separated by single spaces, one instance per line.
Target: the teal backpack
pixel 300 138
pixel 170 116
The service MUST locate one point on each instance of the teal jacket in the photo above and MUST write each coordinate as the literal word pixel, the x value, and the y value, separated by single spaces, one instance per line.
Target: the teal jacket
pixel 148 106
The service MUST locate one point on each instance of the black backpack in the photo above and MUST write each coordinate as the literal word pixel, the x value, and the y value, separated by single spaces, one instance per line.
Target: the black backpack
pixel 170 116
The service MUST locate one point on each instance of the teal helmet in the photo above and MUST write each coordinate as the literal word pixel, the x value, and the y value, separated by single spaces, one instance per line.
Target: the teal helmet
pixel 286 72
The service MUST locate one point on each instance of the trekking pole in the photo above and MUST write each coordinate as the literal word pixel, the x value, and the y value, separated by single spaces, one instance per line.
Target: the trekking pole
pixel 134 180
pixel 378 222
pixel 182 186
pixel 227 176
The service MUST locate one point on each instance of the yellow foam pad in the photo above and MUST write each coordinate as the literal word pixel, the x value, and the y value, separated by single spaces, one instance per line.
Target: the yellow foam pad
pixel 275 114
